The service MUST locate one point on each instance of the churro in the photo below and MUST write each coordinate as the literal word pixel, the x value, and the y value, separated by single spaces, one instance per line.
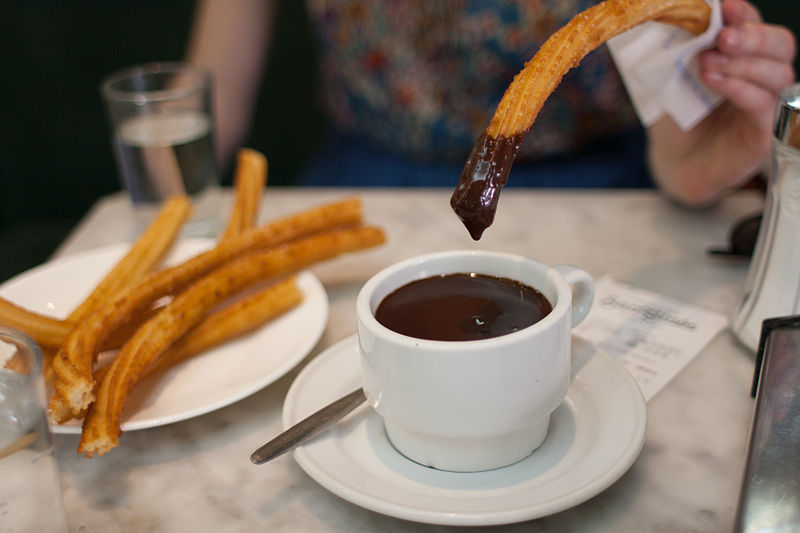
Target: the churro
pixel 46 331
pixel 233 320
pixel 17 363
pixel 486 171
pixel 101 427
pixel 144 254
pixel 249 181
pixel 74 384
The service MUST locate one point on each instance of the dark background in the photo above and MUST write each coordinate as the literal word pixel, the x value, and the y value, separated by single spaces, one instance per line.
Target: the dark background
pixel 55 154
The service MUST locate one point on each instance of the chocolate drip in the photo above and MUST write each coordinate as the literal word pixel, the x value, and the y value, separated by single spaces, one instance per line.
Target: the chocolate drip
pixel 485 173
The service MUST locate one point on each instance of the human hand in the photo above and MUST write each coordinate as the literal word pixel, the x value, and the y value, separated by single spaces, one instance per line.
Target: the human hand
pixel 752 61
pixel 750 64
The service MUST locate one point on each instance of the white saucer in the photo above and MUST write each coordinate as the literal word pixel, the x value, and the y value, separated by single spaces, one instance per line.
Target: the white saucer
pixel 594 437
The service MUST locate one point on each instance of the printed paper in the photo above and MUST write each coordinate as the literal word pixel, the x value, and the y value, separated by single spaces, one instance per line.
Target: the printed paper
pixel 652 335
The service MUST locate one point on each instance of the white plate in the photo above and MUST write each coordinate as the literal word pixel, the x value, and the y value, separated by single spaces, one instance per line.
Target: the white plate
pixel 594 438
pixel 204 383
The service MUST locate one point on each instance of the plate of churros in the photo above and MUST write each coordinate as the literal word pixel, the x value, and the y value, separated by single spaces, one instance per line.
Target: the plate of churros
pixel 215 378
pixel 163 329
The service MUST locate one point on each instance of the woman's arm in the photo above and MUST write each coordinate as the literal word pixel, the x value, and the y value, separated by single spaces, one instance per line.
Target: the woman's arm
pixel 232 39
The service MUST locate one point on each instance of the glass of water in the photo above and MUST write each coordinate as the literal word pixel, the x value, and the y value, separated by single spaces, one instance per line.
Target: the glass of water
pixel 163 136
pixel 30 489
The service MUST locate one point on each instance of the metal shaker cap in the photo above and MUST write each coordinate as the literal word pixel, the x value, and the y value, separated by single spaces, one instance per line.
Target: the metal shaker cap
pixel 787 117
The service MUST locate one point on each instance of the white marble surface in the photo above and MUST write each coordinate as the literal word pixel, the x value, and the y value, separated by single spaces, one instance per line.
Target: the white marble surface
pixel 196 475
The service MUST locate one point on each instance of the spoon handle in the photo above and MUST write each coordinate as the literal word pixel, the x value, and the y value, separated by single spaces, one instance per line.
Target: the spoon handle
pixel 308 427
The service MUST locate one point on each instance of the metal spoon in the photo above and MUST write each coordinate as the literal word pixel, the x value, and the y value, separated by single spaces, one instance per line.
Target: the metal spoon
pixel 308 427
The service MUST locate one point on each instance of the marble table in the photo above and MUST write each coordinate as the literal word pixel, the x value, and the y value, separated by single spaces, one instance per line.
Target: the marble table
pixel 196 475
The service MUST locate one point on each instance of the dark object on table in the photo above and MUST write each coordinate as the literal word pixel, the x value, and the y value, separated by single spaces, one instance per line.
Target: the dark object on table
pixel 770 495
pixel 742 239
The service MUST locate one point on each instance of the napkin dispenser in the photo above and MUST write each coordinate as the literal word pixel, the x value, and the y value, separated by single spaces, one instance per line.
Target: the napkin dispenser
pixel 769 500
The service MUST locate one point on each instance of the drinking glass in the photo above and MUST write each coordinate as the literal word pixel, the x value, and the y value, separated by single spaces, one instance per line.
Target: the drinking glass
pixel 163 136
pixel 30 489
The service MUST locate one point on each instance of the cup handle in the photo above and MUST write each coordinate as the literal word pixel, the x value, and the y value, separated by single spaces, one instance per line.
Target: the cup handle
pixel 582 286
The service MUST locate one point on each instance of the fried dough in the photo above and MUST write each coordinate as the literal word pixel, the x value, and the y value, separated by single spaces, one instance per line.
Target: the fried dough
pixel 486 171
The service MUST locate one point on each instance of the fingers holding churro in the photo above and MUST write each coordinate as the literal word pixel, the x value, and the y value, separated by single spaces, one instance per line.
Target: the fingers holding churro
pixel 486 171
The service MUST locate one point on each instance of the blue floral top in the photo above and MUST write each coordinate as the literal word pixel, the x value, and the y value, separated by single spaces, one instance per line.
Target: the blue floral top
pixel 422 78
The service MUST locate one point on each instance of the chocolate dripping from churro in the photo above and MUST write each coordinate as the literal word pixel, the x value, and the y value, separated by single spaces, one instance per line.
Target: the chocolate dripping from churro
pixel 485 173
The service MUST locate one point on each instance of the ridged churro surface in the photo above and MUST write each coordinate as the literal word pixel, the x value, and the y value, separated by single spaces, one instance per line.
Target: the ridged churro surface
pixel 486 171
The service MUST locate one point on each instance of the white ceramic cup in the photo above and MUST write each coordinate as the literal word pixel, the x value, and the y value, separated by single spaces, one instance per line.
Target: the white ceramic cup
pixel 468 406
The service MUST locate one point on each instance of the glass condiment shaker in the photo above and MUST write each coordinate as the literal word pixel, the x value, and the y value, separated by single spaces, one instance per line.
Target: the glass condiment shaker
pixel 772 287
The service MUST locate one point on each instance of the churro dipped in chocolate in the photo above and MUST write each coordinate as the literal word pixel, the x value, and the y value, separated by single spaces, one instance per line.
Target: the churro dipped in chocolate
pixel 488 165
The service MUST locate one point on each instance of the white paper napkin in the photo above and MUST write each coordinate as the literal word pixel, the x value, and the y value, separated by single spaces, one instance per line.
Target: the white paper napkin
pixel 658 65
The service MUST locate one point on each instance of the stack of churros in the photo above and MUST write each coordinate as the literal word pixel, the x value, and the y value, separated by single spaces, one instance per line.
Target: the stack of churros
pixel 486 171
pixel 157 318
